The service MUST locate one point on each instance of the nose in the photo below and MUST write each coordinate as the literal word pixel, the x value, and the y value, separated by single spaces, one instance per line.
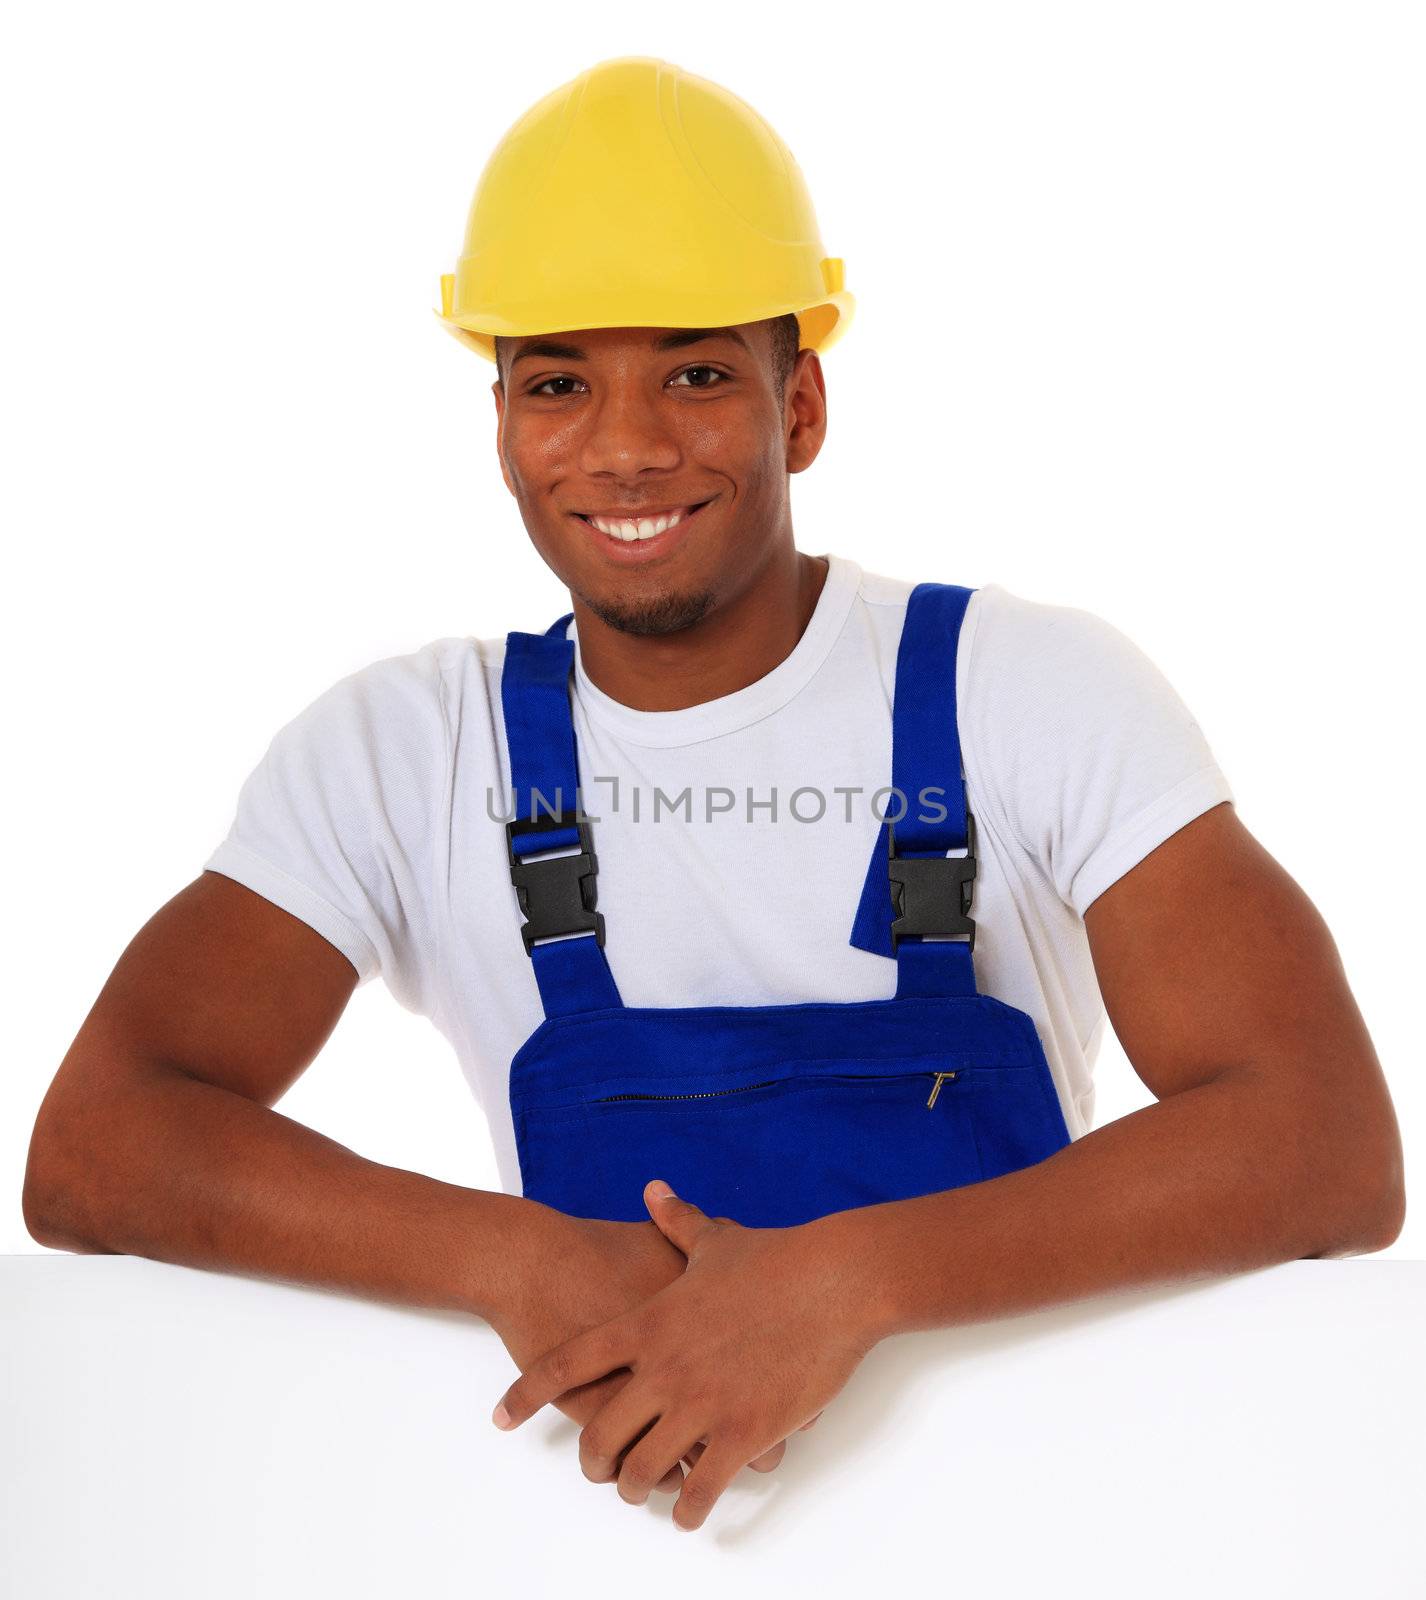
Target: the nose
pixel 626 432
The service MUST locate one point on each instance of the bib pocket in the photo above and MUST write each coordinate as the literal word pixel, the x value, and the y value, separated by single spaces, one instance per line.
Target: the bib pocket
pixel 775 1116
pixel 768 1150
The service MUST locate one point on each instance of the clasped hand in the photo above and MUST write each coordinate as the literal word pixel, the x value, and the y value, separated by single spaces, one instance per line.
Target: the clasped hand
pixel 741 1349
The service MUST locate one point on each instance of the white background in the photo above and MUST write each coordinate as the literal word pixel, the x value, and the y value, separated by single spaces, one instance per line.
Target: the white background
pixel 1140 329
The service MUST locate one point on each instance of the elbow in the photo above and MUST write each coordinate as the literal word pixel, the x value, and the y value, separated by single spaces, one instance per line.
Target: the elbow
pixel 1381 1182
pixel 37 1209
pixel 40 1231
pixel 1384 1217
pixel 49 1200
pixel 38 1201
pixel 1366 1199
pixel 49 1221
pixel 1376 1229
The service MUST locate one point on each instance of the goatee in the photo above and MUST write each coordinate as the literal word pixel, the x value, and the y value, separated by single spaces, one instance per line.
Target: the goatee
pixel 665 613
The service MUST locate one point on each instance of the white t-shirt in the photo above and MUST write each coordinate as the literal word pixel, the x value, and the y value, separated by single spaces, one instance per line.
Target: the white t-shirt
pixel 376 816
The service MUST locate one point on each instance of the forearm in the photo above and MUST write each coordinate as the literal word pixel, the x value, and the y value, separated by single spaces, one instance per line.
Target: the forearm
pixel 177 1169
pixel 1217 1179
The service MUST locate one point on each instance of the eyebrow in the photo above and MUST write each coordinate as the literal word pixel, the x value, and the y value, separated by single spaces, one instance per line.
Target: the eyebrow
pixel 670 341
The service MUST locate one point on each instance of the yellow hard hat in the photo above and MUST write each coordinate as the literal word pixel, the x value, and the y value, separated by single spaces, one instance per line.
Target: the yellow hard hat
pixel 639 195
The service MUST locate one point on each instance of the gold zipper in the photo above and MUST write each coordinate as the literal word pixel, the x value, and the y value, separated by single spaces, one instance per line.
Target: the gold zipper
pixel 701 1095
pixel 708 1094
pixel 941 1077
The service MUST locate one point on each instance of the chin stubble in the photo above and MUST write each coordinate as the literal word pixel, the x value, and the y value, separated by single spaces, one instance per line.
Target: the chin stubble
pixel 665 614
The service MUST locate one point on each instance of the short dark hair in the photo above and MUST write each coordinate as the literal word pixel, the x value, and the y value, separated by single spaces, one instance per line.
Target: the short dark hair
pixel 786 337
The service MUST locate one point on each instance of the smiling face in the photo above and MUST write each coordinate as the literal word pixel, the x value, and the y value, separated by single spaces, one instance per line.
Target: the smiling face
pixel 651 465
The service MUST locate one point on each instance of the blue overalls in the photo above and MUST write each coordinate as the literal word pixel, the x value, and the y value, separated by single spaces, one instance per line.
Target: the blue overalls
pixel 770 1115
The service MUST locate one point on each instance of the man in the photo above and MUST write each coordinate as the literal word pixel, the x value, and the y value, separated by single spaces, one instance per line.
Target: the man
pixel 654 393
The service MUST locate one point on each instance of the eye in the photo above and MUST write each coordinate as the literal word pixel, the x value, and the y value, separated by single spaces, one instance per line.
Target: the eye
pixel 721 377
pixel 541 387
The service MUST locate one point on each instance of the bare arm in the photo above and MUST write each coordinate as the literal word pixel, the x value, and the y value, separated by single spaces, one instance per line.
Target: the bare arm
pixel 156 1137
pixel 1273 1136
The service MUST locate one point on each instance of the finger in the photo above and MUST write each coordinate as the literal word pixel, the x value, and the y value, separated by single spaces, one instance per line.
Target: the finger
pixel 764 1463
pixel 614 1429
pixel 649 1459
pixel 693 1452
pixel 672 1480
pixel 589 1355
pixel 770 1458
pixel 680 1221
pixel 582 1412
pixel 719 1464
pixel 579 1405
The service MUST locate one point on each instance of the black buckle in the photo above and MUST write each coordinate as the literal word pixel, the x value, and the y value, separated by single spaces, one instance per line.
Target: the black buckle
pixel 557 894
pixel 932 894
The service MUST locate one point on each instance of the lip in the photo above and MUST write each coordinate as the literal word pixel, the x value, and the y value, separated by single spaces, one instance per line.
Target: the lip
pixel 635 552
pixel 622 514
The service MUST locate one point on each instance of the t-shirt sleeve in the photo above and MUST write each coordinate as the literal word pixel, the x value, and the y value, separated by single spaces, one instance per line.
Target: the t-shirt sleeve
pixel 337 822
pixel 1088 751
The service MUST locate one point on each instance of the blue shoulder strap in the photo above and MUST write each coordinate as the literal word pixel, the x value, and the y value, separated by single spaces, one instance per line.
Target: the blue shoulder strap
pixel 556 893
pixel 912 888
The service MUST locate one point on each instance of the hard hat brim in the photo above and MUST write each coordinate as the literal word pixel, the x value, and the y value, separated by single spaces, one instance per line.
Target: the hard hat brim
pixel 822 324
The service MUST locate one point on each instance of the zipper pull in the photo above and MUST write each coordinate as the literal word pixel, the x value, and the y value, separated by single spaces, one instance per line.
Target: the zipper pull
pixel 941 1077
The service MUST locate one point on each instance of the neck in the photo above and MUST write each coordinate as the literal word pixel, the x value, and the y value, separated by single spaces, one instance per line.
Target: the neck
pixel 734 645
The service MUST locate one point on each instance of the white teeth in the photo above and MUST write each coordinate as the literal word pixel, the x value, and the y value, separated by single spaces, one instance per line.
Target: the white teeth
pixel 644 528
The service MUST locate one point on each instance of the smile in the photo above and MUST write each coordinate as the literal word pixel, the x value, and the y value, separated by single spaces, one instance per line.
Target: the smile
pixel 649 526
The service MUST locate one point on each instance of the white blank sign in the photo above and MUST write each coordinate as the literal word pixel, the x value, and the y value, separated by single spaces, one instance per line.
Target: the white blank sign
pixel 174 1434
